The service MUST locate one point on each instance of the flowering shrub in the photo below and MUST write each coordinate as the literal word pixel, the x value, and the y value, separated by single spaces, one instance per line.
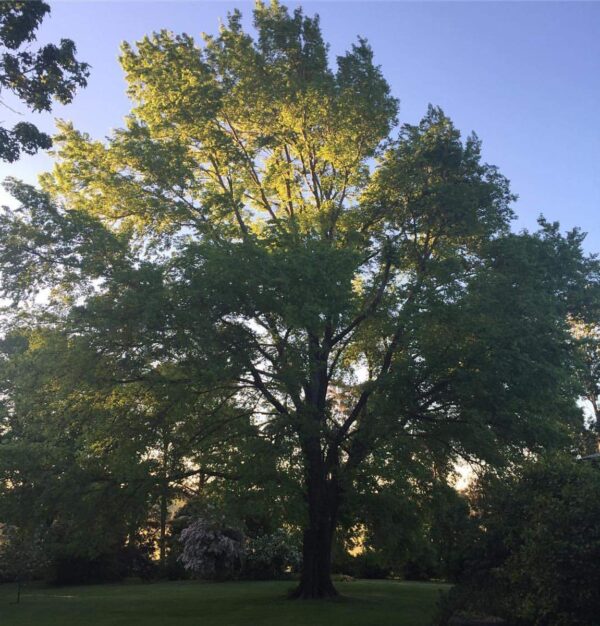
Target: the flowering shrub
pixel 210 551
pixel 271 556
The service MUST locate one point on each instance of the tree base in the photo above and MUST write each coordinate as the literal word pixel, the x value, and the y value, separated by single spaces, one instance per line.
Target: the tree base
pixel 320 590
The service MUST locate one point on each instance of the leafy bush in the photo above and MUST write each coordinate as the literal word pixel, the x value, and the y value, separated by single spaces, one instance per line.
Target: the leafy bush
pixel 71 569
pixel 22 556
pixel 368 564
pixel 271 556
pixel 417 531
pixel 535 561
pixel 110 566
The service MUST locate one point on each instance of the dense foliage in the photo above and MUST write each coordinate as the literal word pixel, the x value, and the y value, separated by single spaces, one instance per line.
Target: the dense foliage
pixel 535 558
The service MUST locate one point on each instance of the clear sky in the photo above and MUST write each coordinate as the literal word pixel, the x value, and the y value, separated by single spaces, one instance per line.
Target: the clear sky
pixel 524 75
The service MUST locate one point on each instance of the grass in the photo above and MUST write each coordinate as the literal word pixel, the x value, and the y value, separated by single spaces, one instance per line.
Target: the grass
pixel 363 603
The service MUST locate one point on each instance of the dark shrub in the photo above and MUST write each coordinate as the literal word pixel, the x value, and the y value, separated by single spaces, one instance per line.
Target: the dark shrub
pixel 368 564
pixel 108 567
pixel 77 570
pixel 536 557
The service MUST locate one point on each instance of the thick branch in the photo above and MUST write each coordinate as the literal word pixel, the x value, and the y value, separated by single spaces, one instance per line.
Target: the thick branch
pixel 371 308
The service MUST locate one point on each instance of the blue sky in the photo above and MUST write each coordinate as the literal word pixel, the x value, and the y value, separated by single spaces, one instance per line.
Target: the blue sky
pixel 524 75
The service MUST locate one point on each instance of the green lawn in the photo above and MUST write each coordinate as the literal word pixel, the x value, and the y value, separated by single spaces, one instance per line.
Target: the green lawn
pixel 363 603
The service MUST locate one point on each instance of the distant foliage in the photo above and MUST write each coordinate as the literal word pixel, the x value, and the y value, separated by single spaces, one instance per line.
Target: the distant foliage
pixel 210 551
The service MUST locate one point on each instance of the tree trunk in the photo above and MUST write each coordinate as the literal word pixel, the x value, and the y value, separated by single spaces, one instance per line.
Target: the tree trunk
pixel 163 528
pixel 323 502
pixel 164 502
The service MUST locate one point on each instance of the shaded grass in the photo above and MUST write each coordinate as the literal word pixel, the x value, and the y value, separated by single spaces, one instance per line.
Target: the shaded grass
pixel 363 603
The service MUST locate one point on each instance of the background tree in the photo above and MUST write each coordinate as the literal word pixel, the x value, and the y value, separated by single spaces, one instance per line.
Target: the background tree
pixel 254 228
pixel 34 77
pixel 95 458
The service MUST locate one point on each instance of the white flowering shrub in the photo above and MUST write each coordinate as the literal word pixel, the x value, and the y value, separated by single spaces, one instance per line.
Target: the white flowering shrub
pixel 210 551
pixel 272 556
